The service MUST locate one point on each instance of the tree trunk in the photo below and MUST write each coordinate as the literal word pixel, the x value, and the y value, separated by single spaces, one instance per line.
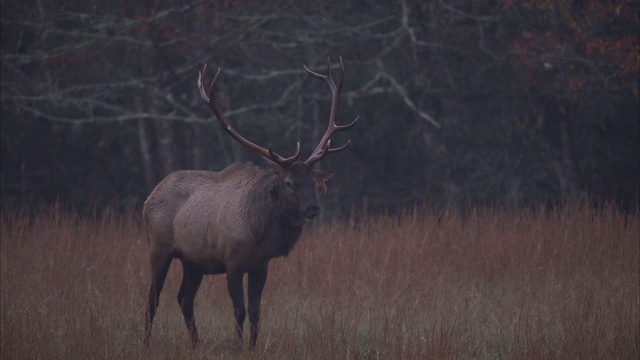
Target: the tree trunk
pixel 564 166
pixel 555 123
pixel 145 152
pixel 198 146
pixel 166 146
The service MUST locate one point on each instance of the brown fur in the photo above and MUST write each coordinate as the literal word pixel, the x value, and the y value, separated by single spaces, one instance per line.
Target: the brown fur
pixel 236 220
pixel 233 221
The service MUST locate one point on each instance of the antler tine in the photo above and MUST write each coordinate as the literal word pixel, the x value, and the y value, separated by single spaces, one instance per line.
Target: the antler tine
pixel 211 95
pixel 324 147
pixel 341 74
pixel 226 125
pixel 201 74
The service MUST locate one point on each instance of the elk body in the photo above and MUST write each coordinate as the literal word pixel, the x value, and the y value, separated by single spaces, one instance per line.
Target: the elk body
pixel 233 221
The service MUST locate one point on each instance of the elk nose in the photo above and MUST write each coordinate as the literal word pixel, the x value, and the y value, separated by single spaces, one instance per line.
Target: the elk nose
pixel 311 211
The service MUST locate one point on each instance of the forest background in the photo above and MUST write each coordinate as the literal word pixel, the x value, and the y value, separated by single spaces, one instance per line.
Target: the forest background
pixel 505 103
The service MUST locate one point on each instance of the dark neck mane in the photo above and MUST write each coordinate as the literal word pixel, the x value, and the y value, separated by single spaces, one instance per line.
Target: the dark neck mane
pixel 277 230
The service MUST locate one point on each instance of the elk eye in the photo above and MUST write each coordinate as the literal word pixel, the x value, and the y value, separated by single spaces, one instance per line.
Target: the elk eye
pixel 288 183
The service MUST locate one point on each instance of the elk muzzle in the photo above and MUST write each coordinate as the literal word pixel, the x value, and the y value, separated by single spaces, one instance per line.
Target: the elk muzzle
pixel 311 211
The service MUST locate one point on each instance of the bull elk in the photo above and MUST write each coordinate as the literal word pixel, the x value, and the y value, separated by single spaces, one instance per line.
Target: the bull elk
pixel 236 220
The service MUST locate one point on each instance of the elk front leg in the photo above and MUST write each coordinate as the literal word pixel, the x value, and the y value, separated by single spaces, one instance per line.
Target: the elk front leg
pixel 234 285
pixel 257 279
pixel 191 279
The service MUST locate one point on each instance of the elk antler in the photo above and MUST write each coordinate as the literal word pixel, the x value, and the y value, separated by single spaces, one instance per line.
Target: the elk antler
pixel 324 147
pixel 211 102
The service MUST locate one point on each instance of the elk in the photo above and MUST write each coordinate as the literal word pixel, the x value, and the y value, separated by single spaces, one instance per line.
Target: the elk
pixel 236 220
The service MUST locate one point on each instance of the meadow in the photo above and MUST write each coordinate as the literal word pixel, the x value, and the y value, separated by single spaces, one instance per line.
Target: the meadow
pixel 527 284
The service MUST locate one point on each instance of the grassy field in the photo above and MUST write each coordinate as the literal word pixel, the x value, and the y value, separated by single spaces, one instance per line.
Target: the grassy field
pixel 562 284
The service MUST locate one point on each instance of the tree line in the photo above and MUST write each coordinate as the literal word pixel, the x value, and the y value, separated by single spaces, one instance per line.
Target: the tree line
pixel 500 103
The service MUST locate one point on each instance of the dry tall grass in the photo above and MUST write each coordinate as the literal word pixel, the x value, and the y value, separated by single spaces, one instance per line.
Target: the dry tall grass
pixel 522 285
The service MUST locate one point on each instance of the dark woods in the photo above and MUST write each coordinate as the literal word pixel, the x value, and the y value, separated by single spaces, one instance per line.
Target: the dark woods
pixel 505 103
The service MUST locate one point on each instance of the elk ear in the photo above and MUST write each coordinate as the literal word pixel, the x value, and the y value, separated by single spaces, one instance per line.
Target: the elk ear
pixel 321 177
pixel 273 192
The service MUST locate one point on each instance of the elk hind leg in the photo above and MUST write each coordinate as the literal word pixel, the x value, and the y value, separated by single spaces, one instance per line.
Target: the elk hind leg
pixel 191 279
pixel 257 279
pixel 159 267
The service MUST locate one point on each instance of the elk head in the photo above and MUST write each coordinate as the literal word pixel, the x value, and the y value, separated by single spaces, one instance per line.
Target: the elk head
pixel 295 182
